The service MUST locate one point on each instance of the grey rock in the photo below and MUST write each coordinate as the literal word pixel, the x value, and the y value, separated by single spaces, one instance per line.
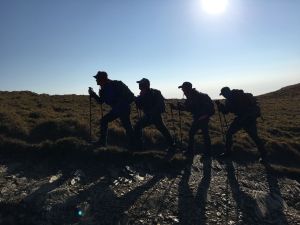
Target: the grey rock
pixel 139 178
pixel 54 178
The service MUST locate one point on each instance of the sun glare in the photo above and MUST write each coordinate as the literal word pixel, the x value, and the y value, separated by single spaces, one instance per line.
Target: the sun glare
pixel 214 6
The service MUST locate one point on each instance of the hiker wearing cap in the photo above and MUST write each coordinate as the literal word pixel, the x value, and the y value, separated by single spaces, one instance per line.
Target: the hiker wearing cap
pixel 246 109
pixel 201 107
pixel 118 96
pixel 151 102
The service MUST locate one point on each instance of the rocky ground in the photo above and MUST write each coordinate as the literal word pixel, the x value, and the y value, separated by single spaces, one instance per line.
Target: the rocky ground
pixel 36 190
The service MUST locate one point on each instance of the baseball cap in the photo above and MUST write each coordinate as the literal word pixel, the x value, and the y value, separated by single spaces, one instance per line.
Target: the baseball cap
pixel 186 84
pixel 144 81
pixel 224 90
pixel 100 74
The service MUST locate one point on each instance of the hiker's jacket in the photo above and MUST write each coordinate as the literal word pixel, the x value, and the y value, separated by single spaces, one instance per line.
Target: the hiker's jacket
pixel 199 104
pixel 151 102
pixel 115 94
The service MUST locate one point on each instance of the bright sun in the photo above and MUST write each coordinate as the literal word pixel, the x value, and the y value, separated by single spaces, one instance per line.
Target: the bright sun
pixel 214 6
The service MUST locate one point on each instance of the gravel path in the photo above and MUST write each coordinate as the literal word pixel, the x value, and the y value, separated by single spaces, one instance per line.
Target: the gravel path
pixel 44 192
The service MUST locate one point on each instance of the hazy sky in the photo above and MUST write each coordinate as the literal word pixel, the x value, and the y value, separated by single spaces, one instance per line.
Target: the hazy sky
pixel 55 46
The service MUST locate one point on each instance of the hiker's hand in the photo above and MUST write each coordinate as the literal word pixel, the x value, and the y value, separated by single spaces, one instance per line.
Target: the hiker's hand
pixel 91 92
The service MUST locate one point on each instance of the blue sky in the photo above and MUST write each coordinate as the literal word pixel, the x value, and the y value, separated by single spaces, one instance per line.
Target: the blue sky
pixel 56 46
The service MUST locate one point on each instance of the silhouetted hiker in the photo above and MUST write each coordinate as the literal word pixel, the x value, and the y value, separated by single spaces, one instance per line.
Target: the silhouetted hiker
pixel 152 103
pixel 246 109
pixel 202 108
pixel 117 95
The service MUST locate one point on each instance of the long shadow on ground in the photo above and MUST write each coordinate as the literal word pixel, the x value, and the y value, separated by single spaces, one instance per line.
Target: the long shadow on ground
pixel 192 208
pixel 274 200
pixel 247 209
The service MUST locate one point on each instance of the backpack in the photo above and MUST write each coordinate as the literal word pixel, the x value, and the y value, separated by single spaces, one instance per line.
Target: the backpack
pixel 246 102
pixel 209 105
pixel 200 104
pixel 124 91
pixel 159 99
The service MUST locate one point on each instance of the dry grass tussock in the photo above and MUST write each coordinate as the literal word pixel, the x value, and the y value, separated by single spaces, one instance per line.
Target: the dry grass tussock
pixel 61 124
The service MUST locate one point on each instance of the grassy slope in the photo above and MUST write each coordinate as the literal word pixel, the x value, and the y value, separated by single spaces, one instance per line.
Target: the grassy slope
pixel 28 118
pixel 281 128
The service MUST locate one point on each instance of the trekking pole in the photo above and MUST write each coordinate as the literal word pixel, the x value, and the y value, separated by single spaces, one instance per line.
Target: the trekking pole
pixel 225 120
pixel 90 118
pixel 173 123
pixel 221 123
pixel 90 98
pixel 138 112
pixel 180 129
pixel 139 118
pixel 101 108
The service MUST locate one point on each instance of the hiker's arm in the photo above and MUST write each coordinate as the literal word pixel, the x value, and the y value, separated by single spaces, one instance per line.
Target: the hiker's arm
pixel 223 108
pixel 100 99
pixel 186 106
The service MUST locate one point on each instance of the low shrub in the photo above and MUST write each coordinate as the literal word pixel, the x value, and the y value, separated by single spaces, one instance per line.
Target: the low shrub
pixel 12 125
pixel 59 128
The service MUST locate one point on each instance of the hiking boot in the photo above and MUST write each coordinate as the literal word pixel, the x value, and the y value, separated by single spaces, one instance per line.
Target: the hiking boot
pixel 225 154
pixel 138 145
pixel 263 160
pixel 171 148
pixel 188 153
pixel 206 156
pixel 100 143
pixel 135 148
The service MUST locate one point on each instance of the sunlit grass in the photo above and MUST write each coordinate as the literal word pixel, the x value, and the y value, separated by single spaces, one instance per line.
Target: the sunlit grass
pixel 27 118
